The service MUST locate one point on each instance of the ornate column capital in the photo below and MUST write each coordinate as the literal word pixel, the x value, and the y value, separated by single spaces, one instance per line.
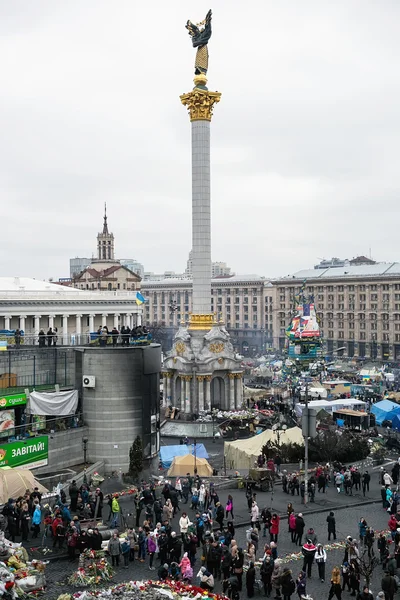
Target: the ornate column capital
pixel 66 316
pixel 200 103
pixel 231 375
pixel 200 377
pixel 79 316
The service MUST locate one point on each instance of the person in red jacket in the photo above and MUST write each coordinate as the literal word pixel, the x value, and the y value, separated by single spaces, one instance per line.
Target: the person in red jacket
pixel 392 524
pixel 274 528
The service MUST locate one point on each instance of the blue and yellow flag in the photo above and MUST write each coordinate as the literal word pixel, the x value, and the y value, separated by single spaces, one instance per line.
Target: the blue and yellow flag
pixel 139 298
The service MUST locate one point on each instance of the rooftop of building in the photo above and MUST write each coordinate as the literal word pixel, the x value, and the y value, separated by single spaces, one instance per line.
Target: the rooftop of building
pixel 26 284
pixel 220 280
pixel 382 269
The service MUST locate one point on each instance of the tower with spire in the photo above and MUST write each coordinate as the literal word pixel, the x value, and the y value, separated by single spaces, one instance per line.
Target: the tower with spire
pixel 105 242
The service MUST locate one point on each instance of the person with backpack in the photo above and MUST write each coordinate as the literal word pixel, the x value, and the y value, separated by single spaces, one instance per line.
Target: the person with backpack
pixel 288 585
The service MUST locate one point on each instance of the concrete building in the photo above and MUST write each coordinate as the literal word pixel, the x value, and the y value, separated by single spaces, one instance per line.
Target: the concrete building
pixel 77 265
pixel 243 302
pixel 358 306
pixel 32 305
pixel 218 269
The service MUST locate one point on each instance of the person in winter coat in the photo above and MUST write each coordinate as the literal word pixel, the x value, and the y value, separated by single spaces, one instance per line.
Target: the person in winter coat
pixel 388 585
pixel 250 580
pixel 229 507
pixel 362 527
pixel 36 520
pixel 330 519
pixel 151 549
pixel 115 510
pixel 308 551
pixel 365 594
pixel 336 588
pixel 311 535
pixel 299 529
pixel 184 523
pixel 219 515
pixel 126 550
pixel 114 549
pixel 288 585
pixel 266 570
pixel 168 510
pixel 73 492
pixel 206 579
pixel 320 559
pixel 237 565
pixel 354 578
pixel 392 524
pixel 186 568
pixel 226 562
pixel 276 578
pixel 274 528
pixel 292 527
pixel 72 542
pixel 163 572
pixel 301 583
pixel 255 514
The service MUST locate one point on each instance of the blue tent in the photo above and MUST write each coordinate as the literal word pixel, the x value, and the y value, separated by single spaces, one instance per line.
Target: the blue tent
pixel 168 453
pixel 396 422
pixel 385 410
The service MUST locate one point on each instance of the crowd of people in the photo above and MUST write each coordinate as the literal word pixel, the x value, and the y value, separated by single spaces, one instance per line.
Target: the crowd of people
pixel 124 335
pixel 202 547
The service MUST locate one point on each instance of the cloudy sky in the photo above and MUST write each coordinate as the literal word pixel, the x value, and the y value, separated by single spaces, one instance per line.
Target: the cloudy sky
pixel 305 159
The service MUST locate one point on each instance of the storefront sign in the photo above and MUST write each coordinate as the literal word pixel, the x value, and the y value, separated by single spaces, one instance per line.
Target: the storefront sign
pixel 29 454
pixel 13 400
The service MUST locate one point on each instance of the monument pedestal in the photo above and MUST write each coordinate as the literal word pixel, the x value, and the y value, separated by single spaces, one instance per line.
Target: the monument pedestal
pixel 202 372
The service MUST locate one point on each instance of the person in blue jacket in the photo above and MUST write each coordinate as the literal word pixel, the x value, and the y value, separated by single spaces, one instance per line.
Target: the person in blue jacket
pixel 36 520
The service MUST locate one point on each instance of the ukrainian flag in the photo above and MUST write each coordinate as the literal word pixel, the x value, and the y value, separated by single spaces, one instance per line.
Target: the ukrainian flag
pixel 139 299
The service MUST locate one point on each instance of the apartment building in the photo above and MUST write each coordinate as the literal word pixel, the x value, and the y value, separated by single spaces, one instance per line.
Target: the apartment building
pixel 243 302
pixel 358 307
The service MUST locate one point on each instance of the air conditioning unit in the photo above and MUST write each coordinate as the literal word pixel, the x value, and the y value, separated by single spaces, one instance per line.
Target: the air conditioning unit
pixel 89 381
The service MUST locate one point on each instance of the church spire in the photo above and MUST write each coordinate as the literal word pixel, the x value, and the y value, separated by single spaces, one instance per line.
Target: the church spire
pixel 105 241
pixel 105 226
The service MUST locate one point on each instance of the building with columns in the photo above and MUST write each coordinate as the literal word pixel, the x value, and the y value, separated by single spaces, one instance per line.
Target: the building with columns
pixel 32 305
pixel 358 306
pixel 243 302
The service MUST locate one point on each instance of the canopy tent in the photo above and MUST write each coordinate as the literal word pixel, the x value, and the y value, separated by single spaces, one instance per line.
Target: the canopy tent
pixel 167 453
pixel 331 405
pixel 385 410
pixel 57 404
pixel 181 465
pixel 242 454
pixel 15 482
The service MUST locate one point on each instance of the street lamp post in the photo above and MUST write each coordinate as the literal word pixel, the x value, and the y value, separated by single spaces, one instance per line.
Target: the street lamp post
pixel 85 443
pixel 214 413
pixel 195 455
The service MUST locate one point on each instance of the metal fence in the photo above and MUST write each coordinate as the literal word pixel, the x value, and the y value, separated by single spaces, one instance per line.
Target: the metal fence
pixel 38 368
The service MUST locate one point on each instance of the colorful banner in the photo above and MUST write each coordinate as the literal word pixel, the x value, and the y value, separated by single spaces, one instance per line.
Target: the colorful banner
pixel 13 400
pixel 31 453
pixel 7 423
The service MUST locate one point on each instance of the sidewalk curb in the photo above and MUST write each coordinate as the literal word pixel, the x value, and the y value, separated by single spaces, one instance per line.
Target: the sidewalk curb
pixel 318 511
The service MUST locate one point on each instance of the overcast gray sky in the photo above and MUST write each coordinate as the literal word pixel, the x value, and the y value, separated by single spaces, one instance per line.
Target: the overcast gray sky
pixel 305 159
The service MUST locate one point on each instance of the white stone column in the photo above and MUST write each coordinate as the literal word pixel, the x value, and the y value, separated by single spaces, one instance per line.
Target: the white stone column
pixel 65 339
pixel 7 322
pixel 51 321
pixel 187 395
pixel 104 319
pixel 78 328
pixel 116 322
pixel 201 217
pixel 231 391
pixel 37 328
pixel 168 389
pixel 200 384
pixel 139 317
pixel 207 393
pixel 22 322
pixel 239 392
pixel 183 393
pixel 91 322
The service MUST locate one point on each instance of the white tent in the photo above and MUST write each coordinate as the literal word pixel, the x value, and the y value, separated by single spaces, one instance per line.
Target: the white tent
pixel 242 454
pixel 331 405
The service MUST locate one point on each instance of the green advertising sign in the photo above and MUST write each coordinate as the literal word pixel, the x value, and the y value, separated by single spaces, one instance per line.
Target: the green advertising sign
pixel 13 400
pixel 31 453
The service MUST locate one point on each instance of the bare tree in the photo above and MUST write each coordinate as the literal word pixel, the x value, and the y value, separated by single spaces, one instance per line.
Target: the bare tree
pixel 367 565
